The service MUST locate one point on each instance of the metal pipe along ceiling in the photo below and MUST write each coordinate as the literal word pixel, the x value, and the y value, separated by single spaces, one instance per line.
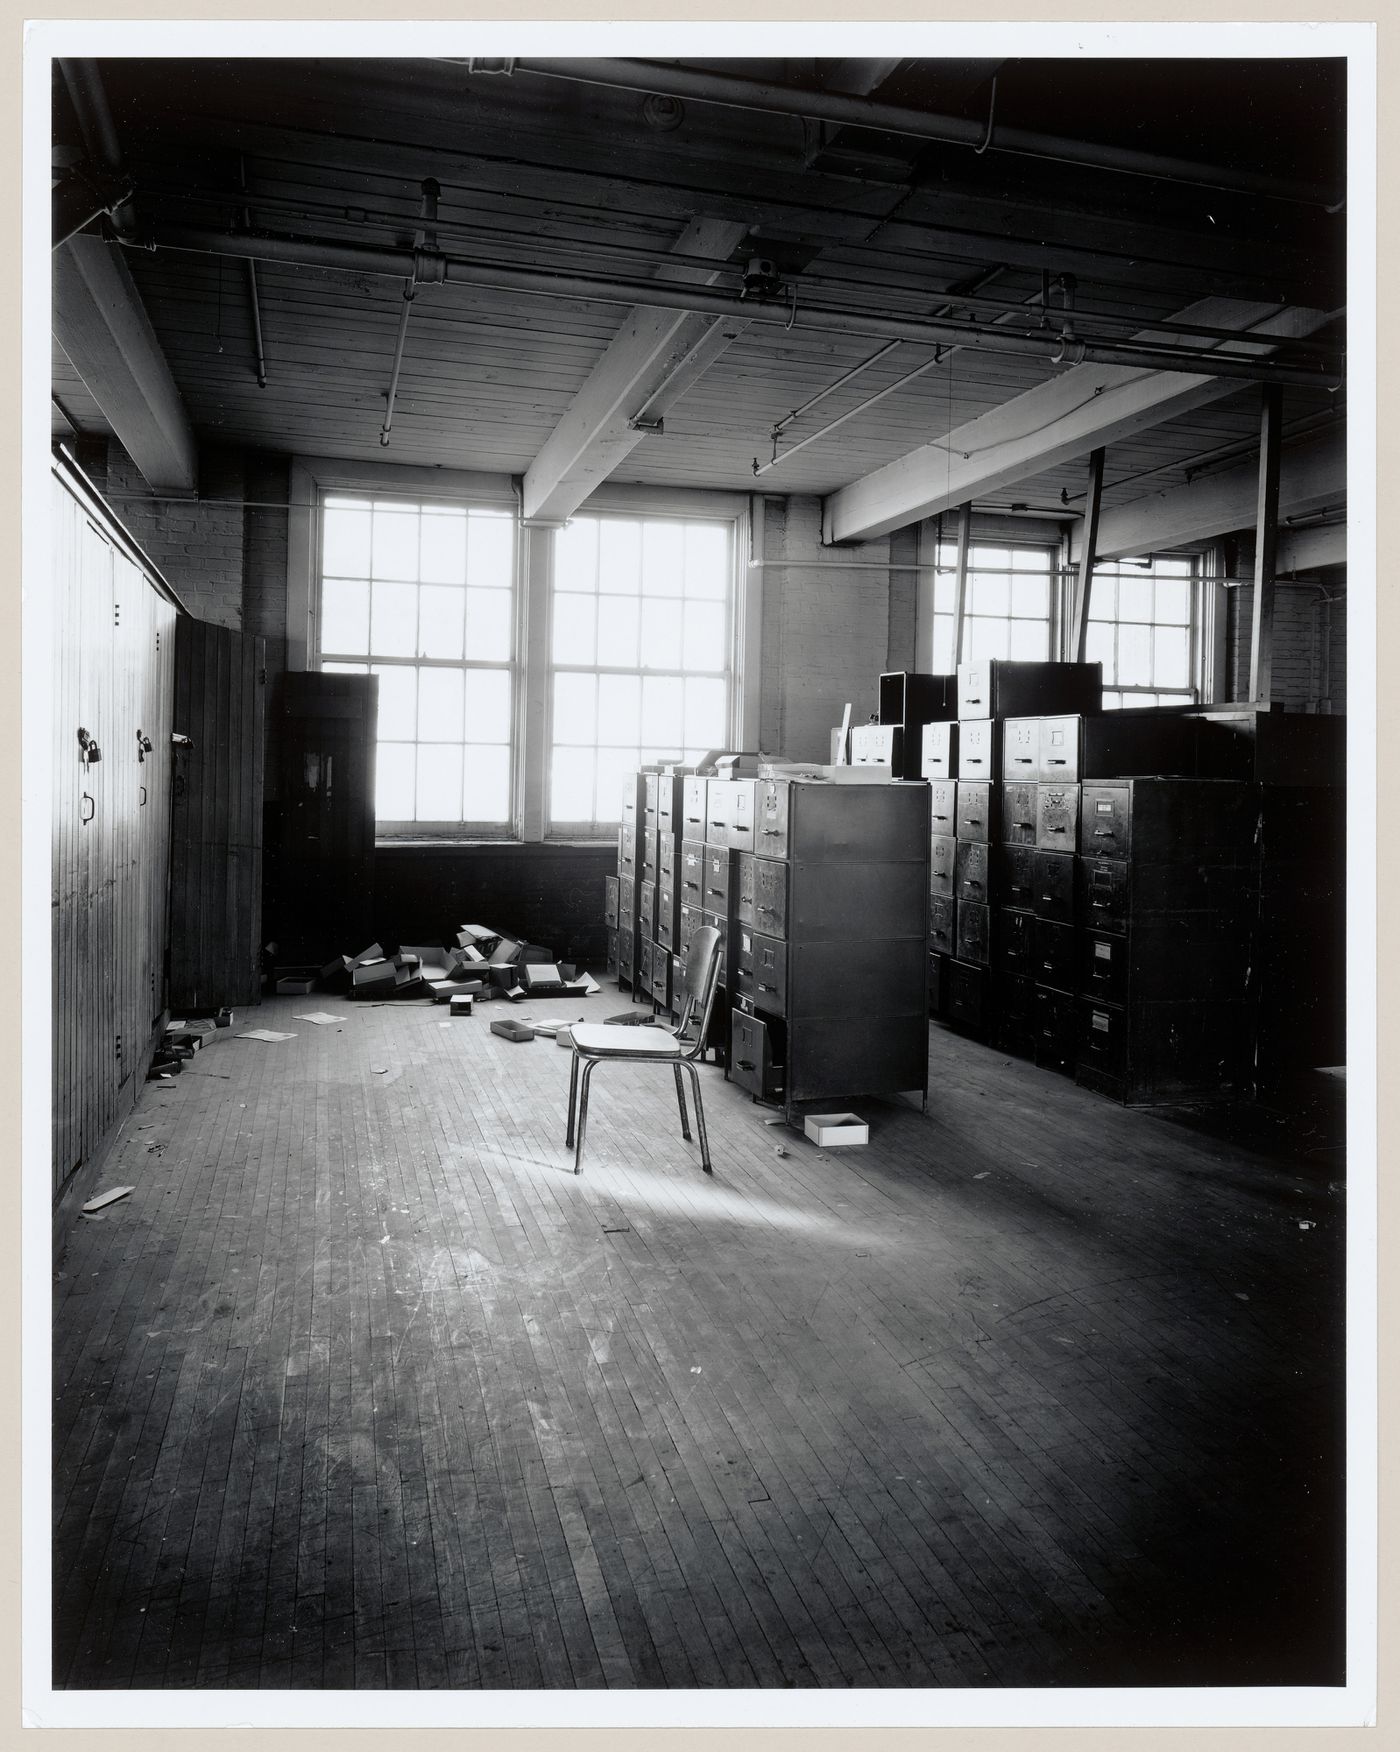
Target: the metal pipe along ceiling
pixel 738 92
pixel 429 266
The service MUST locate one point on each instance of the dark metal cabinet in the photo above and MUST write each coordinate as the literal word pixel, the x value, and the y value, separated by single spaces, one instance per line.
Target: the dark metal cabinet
pixel 758 970
pixel 1018 802
pixel 1016 1015
pixel 943 805
pixel 1000 688
pixel 940 750
pixel 1057 818
pixel 756 1054
pixel 1016 942
pixel 914 699
pixel 1054 1030
pixel 969 997
pixel 975 815
pixel 1053 958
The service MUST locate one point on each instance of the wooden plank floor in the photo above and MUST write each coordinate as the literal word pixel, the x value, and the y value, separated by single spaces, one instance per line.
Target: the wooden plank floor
pixel 361 1387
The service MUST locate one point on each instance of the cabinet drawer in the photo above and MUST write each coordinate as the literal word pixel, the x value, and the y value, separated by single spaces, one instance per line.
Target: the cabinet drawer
pixel 743 881
pixel 760 971
pixel 941 923
pixel 661 976
pixel 719 803
pixel 1020 748
pixel 1015 941
pixel 1054 1030
pixel 650 853
pixel 1057 818
pixel 972 873
pixel 1103 967
pixel 688 921
pixel 668 849
pixel 974 933
pixel 771 817
pixel 975 698
pixel 1018 800
pixel 627 849
pixel 940 750
pixel 692 875
pixel 666 916
pixel 942 864
pixel 740 835
pixel 670 806
pixel 1059 749
pixel 1054 886
pixel 1054 955
pixel 632 791
pixel 626 952
pixel 770 896
pixel 646 950
pixel 1016 865
pixel 1015 1001
pixel 1102 1038
pixel 612 954
pixel 693 800
pixel 646 909
pixel 650 799
pixel 626 903
pixel 974 818
pixel 969 997
pixel 1105 821
pixel 756 1055
pixel 1103 894
pixel 610 893
pixel 716 893
pixel 978 753
pixel 943 806
pixel 878 745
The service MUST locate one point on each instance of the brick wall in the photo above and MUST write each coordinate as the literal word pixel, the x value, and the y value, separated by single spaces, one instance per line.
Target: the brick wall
pixel 826 631
pixel 1309 646
pixel 197 543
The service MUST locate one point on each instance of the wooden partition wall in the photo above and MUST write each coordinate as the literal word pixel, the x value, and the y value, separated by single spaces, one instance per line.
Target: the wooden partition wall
pixel 113 657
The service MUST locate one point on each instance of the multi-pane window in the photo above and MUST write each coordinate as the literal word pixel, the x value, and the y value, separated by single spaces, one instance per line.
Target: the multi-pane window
pixel 1140 630
pixel 640 641
pixel 1007 609
pixel 422 595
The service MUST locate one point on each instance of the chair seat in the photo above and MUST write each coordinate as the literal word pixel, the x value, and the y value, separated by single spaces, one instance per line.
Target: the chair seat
pixel 599 1041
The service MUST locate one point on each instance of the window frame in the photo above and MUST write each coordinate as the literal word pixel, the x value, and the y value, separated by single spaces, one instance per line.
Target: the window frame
pixel 1198 664
pixel 605 829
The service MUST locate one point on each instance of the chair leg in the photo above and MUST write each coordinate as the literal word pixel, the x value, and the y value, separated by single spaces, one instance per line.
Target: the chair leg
pixel 699 1116
pixel 680 1101
pixel 588 1071
pixel 573 1092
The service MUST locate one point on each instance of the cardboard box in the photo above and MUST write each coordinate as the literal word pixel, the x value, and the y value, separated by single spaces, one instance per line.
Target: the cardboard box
pixel 509 1029
pixel 460 1004
pixel 836 1130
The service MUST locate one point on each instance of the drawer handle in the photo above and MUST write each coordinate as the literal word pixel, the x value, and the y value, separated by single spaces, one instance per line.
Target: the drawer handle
pixel 745 1064
pixel 1104 833
pixel 1050 760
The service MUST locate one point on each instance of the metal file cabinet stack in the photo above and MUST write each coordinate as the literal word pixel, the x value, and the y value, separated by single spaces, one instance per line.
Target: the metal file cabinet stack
pixel 624 964
pixel 659 914
pixel 1003 821
pixel 908 701
pixel 828 952
pixel 1167 888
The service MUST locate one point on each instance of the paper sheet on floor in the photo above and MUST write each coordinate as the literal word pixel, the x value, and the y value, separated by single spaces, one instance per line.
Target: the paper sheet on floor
pixel 319 1016
pixel 265 1034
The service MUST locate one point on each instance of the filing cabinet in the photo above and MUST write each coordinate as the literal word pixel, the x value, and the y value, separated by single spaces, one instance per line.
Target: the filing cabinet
pixel 1018 823
pixel 1054 1030
pixel 1016 942
pixel 1104 823
pixel 694 800
pixel 969 998
pixel 1020 748
pixel 974 933
pixel 913 699
pixel 1148 1054
pixel 756 1054
pixel 1053 958
pixel 942 864
pixel 664 804
pixel 691 885
pixel 1103 894
pixel 729 814
pixel 941 917
pixel 1054 886
pixel 974 816
pixel 940 750
pixel 632 800
pixel 610 900
pixel 1001 688
pixel 646 910
pixel 979 749
pixel 887 745
pixel 759 970
pixel 1057 818
pixel 943 806
pixel 972 872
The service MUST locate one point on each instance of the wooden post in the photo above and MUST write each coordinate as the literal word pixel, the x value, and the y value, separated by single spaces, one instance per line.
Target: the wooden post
pixel 1261 645
pixel 1079 620
pixel 960 580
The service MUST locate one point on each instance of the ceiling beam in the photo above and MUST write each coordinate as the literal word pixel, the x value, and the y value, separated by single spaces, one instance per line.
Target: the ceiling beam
pixel 1307 550
pixel 1312 477
pixel 653 356
pixel 102 325
pixel 1084 408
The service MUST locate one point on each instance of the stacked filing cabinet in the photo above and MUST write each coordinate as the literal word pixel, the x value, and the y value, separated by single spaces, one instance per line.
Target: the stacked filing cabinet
pixel 908 702
pixel 1012 851
pixel 629 873
pixel 1167 892
pixel 664 814
pixel 729 838
pixel 828 952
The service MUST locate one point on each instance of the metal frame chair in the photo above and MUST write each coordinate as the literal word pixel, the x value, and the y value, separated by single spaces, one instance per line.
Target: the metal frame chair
pixel 595 1043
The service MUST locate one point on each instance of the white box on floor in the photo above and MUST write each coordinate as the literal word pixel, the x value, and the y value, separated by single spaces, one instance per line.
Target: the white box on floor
pixel 833 1130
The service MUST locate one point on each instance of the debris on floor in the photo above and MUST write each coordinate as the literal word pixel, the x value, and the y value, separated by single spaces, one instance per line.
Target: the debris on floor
pixel 320 1017
pixel 111 1196
pixel 509 1029
pixel 268 1034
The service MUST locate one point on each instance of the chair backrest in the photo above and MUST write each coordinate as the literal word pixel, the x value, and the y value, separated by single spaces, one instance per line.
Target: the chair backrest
pixel 701 979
